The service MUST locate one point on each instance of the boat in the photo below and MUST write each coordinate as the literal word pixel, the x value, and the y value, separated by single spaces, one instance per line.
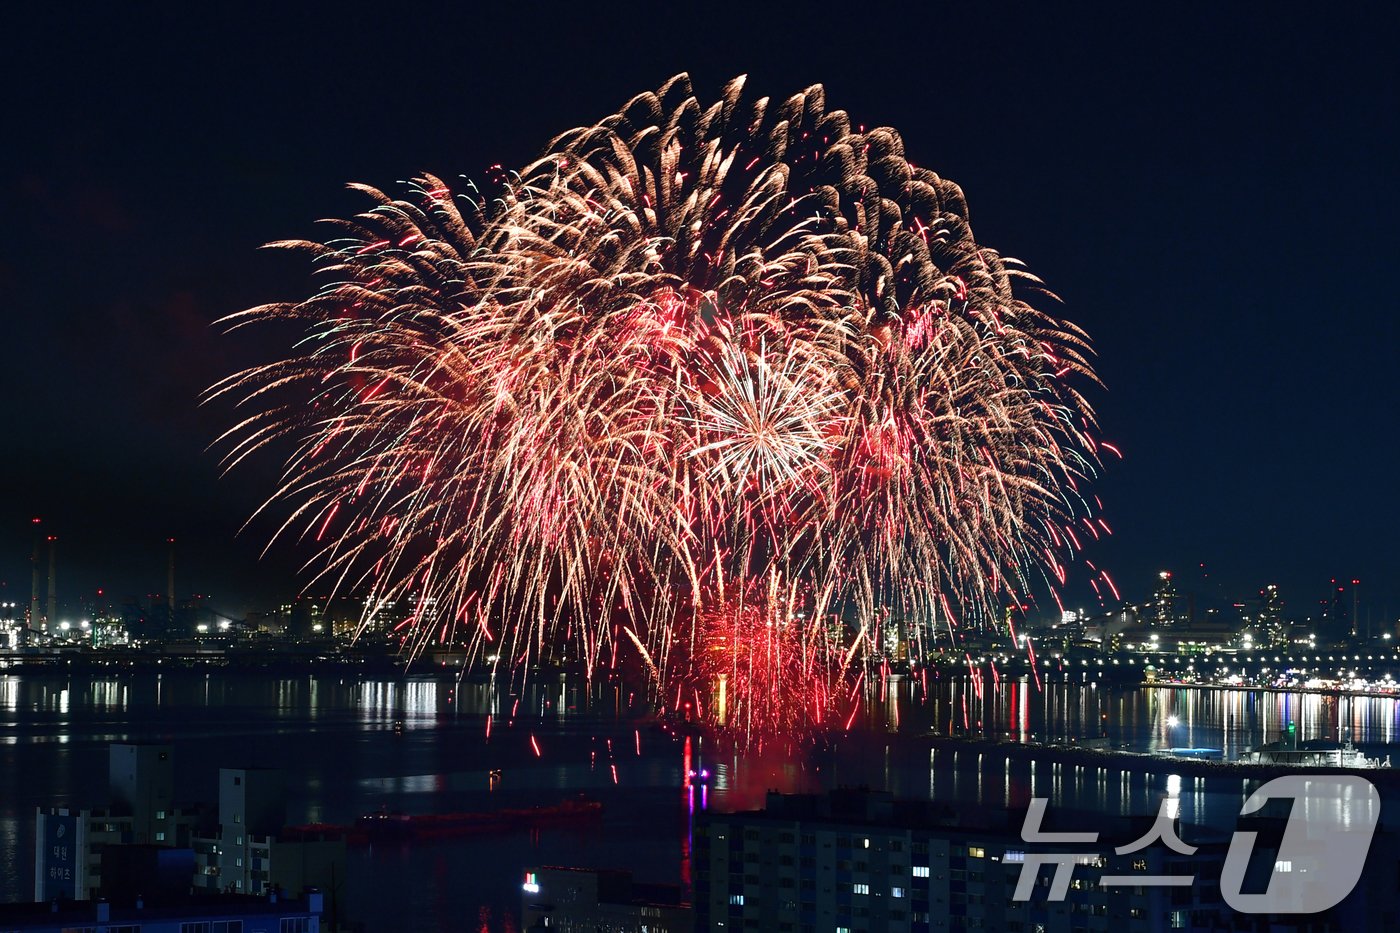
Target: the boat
pixel 1288 753
pixel 386 826
pixel 1197 753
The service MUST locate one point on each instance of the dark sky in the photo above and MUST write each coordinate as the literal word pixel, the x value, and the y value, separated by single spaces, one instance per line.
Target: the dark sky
pixel 1212 191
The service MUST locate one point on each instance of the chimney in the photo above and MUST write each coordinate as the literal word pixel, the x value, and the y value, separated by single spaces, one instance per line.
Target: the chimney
pixel 170 581
pixel 34 593
pixel 52 617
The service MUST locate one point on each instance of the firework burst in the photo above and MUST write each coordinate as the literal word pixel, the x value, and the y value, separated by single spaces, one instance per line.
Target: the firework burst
pixel 689 345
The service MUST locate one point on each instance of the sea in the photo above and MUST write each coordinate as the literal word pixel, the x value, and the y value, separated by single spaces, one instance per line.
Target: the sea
pixel 433 743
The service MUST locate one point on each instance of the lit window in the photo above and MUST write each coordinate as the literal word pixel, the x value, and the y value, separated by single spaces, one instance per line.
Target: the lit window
pixel 859 888
pixel 896 892
pixel 977 852
pixel 1013 855
pixel 737 900
pixel 920 871
pixel 1283 865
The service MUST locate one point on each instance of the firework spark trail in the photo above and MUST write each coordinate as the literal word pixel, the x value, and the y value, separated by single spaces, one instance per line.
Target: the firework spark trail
pixel 692 356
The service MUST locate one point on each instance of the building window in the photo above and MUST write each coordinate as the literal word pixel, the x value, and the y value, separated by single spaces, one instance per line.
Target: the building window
pixel 160 836
pixel 295 925
pixel 860 888
pixel 195 926
pixel 896 892
pixel 920 871
pixel 1283 865
pixel 736 900
pixel 160 814
pixel 228 926
pixel 976 852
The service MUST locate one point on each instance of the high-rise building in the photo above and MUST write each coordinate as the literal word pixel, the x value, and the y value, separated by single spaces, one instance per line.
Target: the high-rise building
pixel 252 804
pixel 1164 601
pixel 142 781
pixel 70 843
pixel 863 861
pixel 1270 619
pixel 250 853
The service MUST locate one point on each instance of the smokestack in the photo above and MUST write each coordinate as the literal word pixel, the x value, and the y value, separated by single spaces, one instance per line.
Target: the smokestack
pixel 52 617
pixel 1355 604
pixel 34 593
pixel 170 581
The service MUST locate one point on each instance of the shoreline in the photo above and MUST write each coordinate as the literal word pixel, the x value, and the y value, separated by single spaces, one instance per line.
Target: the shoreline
pixel 1141 762
pixel 1314 691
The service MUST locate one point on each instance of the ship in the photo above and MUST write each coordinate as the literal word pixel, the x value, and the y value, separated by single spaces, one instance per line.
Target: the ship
pixel 1287 753
pixel 386 825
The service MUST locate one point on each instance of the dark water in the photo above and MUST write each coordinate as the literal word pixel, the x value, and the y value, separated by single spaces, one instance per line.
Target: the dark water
pixel 337 742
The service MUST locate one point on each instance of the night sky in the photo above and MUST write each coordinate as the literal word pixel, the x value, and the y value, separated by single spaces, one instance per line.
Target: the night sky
pixel 1212 193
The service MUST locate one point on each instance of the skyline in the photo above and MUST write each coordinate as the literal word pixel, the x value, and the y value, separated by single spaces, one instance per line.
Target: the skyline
pixel 1195 584
pixel 1202 320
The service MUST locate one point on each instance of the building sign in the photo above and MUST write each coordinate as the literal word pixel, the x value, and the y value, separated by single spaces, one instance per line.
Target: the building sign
pixel 59 863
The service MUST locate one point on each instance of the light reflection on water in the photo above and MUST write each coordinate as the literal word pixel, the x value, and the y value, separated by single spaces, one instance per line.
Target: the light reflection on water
pixel 1231 720
pixel 420 744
